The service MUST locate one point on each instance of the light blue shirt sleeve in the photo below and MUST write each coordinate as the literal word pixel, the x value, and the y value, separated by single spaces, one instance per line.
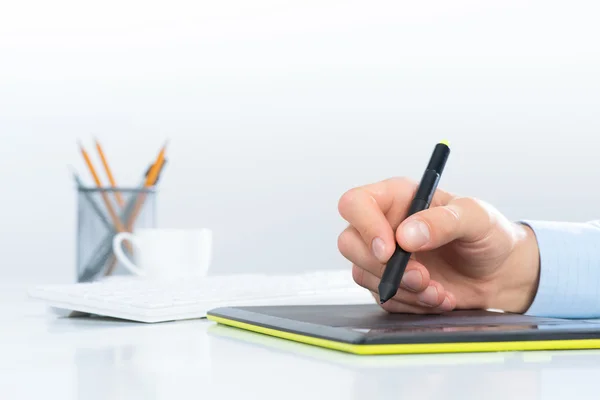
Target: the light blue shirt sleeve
pixel 569 284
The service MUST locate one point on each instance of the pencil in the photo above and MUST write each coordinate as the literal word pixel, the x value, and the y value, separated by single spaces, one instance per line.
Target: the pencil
pixel 153 174
pixel 109 174
pixel 151 179
pixel 92 202
pixel 104 250
pixel 159 172
pixel 126 213
pixel 115 218
pixel 129 213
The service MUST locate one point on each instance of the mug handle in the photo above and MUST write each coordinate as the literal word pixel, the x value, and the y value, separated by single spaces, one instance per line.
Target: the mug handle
pixel 117 240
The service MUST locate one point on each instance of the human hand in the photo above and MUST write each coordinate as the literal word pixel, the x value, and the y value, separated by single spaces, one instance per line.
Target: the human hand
pixel 465 254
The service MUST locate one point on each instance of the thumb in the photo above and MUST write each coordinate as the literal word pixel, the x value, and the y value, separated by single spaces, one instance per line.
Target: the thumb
pixel 462 218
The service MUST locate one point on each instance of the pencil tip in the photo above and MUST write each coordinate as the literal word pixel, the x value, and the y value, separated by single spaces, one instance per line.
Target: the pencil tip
pixel 166 143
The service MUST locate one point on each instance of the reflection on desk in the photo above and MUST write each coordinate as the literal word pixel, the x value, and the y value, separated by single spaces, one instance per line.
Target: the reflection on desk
pixel 500 375
pixel 44 356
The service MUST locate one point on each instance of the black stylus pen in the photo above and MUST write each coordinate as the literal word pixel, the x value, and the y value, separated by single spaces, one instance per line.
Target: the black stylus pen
pixel 394 270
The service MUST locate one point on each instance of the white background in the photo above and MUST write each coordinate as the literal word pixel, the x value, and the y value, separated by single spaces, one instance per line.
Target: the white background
pixel 275 108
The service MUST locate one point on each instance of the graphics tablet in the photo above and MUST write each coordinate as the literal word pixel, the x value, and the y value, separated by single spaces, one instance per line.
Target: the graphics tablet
pixel 367 329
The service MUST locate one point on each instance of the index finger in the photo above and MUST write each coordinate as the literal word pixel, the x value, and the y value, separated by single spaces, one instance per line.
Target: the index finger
pixel 376 210
pixel 368 209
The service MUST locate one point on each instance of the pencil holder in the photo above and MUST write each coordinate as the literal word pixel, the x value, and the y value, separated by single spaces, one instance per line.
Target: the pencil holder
pixel 101 214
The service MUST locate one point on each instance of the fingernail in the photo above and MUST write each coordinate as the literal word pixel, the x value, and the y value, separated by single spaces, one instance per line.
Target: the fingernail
pixel 378 247
pixel 412 280
pixel 446 306
pixel 429 296
pixel 416 234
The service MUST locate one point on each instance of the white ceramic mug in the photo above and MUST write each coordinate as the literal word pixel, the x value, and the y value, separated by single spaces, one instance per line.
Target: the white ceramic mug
pixel 166 253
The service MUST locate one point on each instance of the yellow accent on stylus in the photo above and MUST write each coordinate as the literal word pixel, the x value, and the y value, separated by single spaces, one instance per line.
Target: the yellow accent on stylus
pixel 420 348
pixel 447 143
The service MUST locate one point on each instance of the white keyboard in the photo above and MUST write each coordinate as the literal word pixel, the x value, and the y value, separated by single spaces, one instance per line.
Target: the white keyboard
pixel 147 300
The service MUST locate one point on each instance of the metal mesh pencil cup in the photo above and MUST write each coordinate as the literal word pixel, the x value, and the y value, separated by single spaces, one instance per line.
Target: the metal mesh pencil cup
pixel 96 226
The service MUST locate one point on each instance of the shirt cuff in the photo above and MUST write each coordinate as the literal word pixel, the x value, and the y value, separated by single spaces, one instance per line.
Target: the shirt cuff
pixel 569 282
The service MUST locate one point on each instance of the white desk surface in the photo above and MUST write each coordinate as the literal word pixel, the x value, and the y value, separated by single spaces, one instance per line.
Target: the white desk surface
pixel 45 356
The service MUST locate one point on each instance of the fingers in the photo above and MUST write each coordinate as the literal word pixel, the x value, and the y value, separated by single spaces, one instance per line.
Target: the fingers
pixel 431 297
pixel 393 306
pixel 393 196
pixel 465 219
pixel 416 277
pixel 362 211
pixel 376 210
pixel 354 249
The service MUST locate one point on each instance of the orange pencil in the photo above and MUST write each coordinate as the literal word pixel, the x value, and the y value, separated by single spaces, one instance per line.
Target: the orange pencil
pixel 109 174
pixel 153 174
pixel 113 215
pixel 150 181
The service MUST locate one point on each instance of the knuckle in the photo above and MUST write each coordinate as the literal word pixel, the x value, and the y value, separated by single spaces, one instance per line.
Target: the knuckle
pixel 479 210
pixel 348 200
pixel 367 231
pixel 403 186
pixel 426 276
pixel 358 275
pixel 347 244
pixel 403 181
pixel 469 202
pixel 473 204
pixel 350 203
pixel 342 241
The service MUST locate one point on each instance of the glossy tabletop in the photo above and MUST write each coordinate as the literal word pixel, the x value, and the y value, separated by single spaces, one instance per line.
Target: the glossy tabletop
pixel 44 356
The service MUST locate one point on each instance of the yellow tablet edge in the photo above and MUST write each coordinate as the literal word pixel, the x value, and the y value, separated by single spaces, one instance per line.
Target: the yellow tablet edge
pixel 377 349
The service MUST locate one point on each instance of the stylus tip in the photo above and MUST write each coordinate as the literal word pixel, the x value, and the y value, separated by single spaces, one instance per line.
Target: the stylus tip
pixel 386 291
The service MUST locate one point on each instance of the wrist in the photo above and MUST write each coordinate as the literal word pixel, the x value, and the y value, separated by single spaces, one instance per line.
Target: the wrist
pixel 519 276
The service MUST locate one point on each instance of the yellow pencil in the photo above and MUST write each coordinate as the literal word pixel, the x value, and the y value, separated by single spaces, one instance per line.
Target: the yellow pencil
pixel 109 174
pixel 153 173
pixel 150 181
